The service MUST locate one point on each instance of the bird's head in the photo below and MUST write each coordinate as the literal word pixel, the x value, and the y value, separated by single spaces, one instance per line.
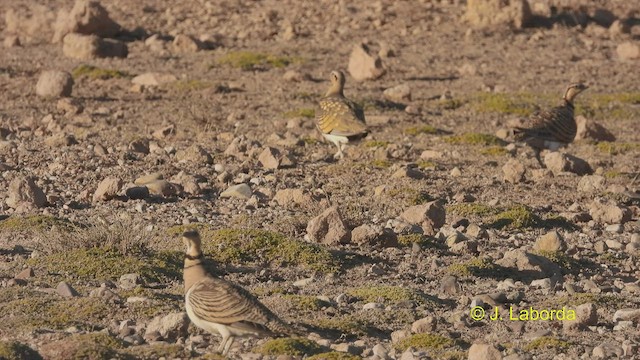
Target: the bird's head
pixel 193 244
pixel 573 90
pixel 337 83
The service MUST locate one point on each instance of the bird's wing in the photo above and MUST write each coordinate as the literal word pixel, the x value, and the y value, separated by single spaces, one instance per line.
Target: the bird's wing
pixel 339 116
pixel 556 124
pixel 216 300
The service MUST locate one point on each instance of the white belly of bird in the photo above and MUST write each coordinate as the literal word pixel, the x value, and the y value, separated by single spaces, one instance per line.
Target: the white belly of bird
pixel 553 145
pixel 336 139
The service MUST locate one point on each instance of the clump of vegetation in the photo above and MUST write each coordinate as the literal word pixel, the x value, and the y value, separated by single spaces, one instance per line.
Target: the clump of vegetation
pixel 261 246
pixel 189 85
pixel 494 151
pixel 109 264
pixel 424 341
pixel 13 350
pixel 424 129
pixel 167 351
pixel 308 113
pixel 96 345
pixel 346 324
pixel 516 217
pixel 616 148
pixel 426 164
pixel 376 144
pixel 512 104
pixel 34 223
pixel 475 267
pixel 380 163
pixel 306 302
pixel 475 209
pixel 289 346
pixel 384 293
pixel 612 174
pixel 410 239
pixel 449 104
pixel 248 60
pixel 474 139
pixel 547 342
pixel 93 72
pixel 334 355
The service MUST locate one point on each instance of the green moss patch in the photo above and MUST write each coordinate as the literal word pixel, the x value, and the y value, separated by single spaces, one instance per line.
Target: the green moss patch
pixel 547 342
pixel 248 60
pixel 334 355
pixel 302 112
pixel 494 151
pixel 480 267
pixel 167 351
pixel 289 346
pixel 306 302
pixel 616 148
pixel 472 209
pixel 521 104
pixel 381 164
pixel 190 85
pixel 91 346
pixel 345 324
pixel 93 72
pixel 516 217
pixel 34 223
pixel 110 264
pixel 12 350
pixel 474 139
pixel 425 341
pixel 376 144
pixel 424 129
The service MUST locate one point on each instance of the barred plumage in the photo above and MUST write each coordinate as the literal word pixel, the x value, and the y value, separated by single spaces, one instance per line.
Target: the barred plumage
pixel 339 119
pixel 219 306
pixel 554 128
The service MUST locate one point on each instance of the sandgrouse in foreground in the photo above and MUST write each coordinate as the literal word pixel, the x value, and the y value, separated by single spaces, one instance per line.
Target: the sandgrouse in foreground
pixel 554 128
pixel 340 120
pixel 221 307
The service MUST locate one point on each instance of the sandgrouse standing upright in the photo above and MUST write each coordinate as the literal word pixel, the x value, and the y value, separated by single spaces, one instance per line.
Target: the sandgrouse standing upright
pixel 554 128
pixel 340 120
pixel 221 307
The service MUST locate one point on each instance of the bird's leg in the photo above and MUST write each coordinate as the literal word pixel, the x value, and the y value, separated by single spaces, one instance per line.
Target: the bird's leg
pixel 224 341
pixel 227 347
pixel 339 154
pixel 537 152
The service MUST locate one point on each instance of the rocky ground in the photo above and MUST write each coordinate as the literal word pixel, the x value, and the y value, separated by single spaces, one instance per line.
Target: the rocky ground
pixel 124 124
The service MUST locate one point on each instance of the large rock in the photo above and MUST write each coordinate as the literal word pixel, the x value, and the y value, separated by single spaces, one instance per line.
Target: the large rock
pixel 54 83
pixel 608 212
pixel 329 228
pixel 400 93
pixel 87 47
pixel 293 197
pixel 153 79
pixel 529 265
pixel 363 66
pixel 558 163
pixel 586 315
pixel 493 13
pixel 591 183
pixel 374 235
pixel 24 194
pixel 170 327
pixel 240 191
pixel 589 129
pixel 430 216
pixel 28 23
pixel 484 352
pixel 628 51
pixel 513 171
pixel 107 189
pixel 87 17
pixel 550 242
pixel 194 154
pixel 272 158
